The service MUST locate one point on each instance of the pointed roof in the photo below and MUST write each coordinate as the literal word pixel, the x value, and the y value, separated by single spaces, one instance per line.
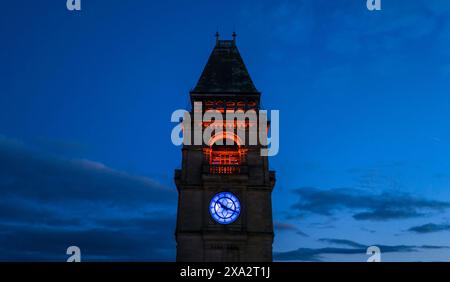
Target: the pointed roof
pixel 225 71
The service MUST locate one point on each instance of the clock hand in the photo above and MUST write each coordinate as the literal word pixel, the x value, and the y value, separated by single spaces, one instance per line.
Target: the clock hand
pixel 225 207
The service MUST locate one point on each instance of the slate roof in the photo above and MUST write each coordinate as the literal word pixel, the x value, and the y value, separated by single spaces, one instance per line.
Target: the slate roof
pixel 225 72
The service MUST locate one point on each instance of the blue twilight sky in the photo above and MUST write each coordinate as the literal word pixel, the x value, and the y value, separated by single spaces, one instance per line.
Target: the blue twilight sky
pixel 86 98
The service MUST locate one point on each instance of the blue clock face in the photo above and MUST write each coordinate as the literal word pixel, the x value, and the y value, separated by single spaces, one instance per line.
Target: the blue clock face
pixel 225 208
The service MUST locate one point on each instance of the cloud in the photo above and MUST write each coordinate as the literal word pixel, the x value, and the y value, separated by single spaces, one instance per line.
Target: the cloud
pixel 28 174
pixel 365 205
pixel 351 248
pixel 33 242
pixel 344 242
pixel 383 214
pixel 49 204
pixel 310 254
pixel 283 226
pixel 430 228
pixel 385 248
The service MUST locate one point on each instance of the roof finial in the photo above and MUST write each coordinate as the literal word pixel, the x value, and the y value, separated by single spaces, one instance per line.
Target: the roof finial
pixel 217 38
pixel 234 37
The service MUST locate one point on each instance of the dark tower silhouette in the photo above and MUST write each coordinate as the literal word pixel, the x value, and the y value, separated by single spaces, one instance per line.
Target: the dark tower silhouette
pixel 224 191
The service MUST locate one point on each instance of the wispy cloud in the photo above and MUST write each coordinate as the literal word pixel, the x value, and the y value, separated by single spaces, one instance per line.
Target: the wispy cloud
pixel 350 248
pixel 343 242
pixel 49 204
pixel 365 205
pixel 429 228
pixel 284 226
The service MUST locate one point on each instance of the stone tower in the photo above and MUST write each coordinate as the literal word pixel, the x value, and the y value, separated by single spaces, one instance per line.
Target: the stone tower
pixel 224 191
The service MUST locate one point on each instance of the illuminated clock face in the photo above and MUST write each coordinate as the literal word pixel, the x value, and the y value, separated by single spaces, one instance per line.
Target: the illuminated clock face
pixel 225 208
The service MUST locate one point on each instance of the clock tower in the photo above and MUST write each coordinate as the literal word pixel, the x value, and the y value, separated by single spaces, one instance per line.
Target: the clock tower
pixel 225 186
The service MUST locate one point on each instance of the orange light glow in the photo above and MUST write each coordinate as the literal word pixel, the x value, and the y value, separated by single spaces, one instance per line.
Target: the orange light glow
pixel 225 159
pixel 225 135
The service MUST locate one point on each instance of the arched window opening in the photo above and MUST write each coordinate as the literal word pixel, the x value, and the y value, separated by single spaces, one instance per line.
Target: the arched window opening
pixel 224 159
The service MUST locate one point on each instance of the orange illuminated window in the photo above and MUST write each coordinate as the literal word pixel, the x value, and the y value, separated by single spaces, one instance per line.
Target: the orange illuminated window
pixel 225 155
pixel 224 159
